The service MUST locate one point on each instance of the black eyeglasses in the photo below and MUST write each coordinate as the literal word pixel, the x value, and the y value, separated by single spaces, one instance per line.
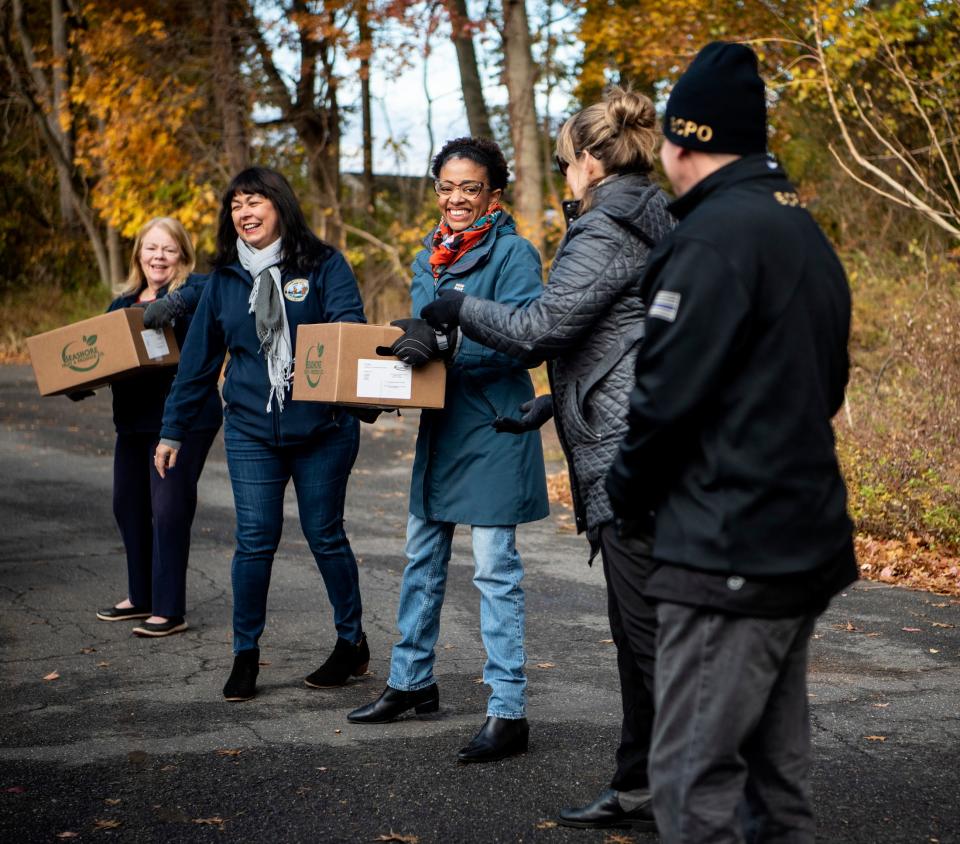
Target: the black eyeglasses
pixel 563 165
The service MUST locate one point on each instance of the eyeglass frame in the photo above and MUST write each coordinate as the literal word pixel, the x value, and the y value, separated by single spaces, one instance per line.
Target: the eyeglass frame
pixel 459 187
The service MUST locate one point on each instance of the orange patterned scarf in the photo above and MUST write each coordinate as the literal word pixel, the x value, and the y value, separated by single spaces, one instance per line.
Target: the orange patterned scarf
pixel 449 246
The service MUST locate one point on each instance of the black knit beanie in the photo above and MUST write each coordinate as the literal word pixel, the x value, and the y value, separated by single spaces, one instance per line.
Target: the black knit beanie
pixel 718 104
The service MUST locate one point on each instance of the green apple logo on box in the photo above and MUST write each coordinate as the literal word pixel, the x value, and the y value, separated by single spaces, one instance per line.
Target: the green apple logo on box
pixel 313 368
pixel 81 359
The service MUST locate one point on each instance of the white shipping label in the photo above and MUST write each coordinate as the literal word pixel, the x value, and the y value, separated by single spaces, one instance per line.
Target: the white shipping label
pixel 155 342
pixel 384 379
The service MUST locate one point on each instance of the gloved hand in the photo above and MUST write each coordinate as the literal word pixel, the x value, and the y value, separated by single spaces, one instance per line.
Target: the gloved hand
pixel 161 312
pixel 443 313
pixel 80 395
pixel 535 413
pixel 365 414
pixel 419 344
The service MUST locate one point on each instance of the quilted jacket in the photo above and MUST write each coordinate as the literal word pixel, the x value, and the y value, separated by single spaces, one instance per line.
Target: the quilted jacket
pixel 587 325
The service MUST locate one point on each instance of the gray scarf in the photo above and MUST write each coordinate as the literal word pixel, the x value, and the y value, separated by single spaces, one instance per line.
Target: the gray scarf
pixel 266 305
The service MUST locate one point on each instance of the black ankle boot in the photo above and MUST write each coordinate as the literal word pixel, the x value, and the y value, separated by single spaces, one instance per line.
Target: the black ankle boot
pixel 242 683
pixel 347 660
pixel 393 703
pixel 497 739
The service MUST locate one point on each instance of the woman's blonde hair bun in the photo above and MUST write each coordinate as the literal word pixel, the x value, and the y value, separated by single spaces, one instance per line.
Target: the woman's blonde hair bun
pixel 626 110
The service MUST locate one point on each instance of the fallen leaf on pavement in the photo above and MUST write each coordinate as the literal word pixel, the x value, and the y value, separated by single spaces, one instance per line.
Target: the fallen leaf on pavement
pixel 849 627
pixel 943 624
pixel 880 705
pixel 106 823
pixel 546 665
pixel 478 680
pixel 397 837
pixel 264 662
pixel 112 801
pixel 68 834
pixel 88 650
pixel 606 641
pixel 910 629
pixel 229 752
pixel 15 789
pixel 875 738
pixel 214 821
pixel 52 676
pixel 547 825
pixel 933 650
pixel 336 732
pixel 103 665
pixel 617 838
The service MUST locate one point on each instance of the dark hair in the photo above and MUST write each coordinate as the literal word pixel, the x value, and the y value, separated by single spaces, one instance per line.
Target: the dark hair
pixel 302 249
pixel 481 151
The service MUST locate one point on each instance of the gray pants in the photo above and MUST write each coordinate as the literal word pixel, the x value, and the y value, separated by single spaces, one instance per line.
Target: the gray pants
pixel 731 739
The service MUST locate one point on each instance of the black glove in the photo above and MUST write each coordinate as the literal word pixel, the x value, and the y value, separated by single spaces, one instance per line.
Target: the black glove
pixel 535 413
pixel 444 313
pixel 365 414
pixel 419 344
pixel 80 395
pixel 161 312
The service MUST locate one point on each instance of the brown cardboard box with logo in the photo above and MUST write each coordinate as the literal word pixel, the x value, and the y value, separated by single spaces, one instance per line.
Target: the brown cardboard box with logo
pixel 337 363
pixel 93 352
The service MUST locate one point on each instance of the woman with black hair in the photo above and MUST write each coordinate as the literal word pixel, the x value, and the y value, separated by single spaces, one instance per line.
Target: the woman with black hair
pixel 464 472
pixel 271 273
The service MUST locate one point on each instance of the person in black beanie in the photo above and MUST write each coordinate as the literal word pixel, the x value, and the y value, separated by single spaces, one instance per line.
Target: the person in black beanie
pixel 730 446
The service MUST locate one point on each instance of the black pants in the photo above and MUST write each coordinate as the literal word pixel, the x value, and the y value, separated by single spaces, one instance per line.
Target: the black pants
pixel 633 622
pixel 731 742
pixel 155 515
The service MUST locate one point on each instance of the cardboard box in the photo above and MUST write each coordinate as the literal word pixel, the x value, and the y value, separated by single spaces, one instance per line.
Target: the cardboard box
pixel 337 363
pixel 93 352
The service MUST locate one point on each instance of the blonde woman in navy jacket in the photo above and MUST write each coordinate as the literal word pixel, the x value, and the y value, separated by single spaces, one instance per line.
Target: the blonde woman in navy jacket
pixel 271 274
pixel 155 516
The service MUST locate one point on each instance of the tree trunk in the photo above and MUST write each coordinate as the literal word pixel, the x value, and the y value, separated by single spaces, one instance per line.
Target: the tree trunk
pixel 366 44
pixel 521 77
pixel 477 116
pixel 228 89
pixel 115 257
pixel 61 104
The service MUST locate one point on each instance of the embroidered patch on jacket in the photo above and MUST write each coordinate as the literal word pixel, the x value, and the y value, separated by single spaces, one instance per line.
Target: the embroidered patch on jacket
pixel 665 305
pixel 297 289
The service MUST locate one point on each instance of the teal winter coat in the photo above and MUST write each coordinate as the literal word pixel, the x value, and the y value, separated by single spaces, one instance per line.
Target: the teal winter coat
pixel 464 471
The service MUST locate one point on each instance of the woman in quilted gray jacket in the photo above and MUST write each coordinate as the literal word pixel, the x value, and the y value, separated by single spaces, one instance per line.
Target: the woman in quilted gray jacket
pixel 587 324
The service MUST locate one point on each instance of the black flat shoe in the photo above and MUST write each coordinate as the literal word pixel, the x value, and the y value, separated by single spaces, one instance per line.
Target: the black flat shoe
pixel 117 614
pixel 497 739
pixel 393 703
pixel 164 628
pixel 242 683
pixel 606 812
pixel 347 660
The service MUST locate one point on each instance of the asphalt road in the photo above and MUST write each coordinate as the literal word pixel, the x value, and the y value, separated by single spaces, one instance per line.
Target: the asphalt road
pixel 133 742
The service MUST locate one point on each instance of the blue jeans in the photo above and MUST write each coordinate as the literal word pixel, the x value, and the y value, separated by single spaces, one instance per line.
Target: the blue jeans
pixel 259 473
pixel 498 572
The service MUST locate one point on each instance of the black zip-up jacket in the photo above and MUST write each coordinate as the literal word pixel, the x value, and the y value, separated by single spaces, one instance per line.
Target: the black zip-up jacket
pixel 138 400
pixel 743 366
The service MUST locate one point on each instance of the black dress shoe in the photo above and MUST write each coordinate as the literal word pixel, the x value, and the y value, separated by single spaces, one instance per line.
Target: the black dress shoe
pixel 347 660
pixel 497 739
pixel 176 624
pixel 393 703
pixel 118 614
pixel 607 812
pixel 242 683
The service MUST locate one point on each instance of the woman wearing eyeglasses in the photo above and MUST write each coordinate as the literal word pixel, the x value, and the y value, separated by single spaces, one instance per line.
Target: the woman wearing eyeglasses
pixel 588 324
pixel 464 472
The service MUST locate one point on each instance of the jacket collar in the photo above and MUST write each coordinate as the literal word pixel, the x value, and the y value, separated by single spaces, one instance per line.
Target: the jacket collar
pixel 748 168
pixel 478 254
